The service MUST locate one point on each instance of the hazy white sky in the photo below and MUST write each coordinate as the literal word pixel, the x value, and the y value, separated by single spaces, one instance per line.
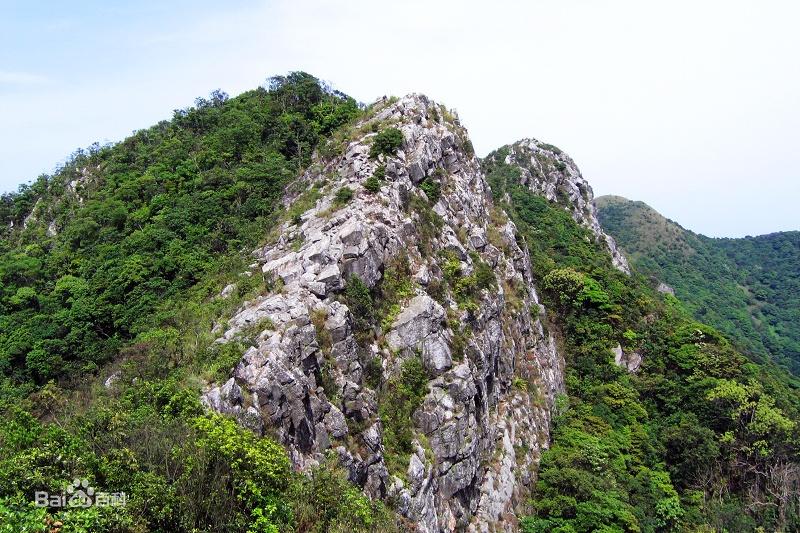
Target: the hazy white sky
pixel 691 106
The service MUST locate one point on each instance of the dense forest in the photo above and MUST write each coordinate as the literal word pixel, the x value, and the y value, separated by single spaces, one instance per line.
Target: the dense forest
pixel 115 258
pixel 700 439
pixel 748 288
pixel 110 270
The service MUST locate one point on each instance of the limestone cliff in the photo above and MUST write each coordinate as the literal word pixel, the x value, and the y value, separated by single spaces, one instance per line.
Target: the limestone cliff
pixel 548 171
pixel 493 371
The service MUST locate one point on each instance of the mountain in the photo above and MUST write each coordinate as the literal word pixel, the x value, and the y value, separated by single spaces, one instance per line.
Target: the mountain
pixel 286 311
pixel 748 288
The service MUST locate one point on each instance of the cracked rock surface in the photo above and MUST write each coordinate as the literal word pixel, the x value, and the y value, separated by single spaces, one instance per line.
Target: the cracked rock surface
pixel 477 436
pixel 551 173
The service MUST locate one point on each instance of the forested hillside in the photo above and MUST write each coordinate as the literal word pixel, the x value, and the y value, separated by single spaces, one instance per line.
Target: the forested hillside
pixel 426 342
pixel 115 259
pixel 748 288
pixel 697 439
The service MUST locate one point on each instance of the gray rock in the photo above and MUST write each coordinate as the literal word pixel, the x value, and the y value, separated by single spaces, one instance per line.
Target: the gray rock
pixel 110 380
pixel 227 290
pixel 436 355
pixel 663 288
pixel 305 379
pixel 418 320
pixel 554 175
pixel 631 361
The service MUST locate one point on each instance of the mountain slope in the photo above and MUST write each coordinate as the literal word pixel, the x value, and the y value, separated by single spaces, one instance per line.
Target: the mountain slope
pixel 748 288
pixel 548 172
pixel 634 452
pixel 419 272
pixel 286 312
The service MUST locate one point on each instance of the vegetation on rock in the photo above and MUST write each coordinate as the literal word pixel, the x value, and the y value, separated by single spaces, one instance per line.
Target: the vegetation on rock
pixel 699 439
pixel 748 288
pixel 120 255
pixel 114 267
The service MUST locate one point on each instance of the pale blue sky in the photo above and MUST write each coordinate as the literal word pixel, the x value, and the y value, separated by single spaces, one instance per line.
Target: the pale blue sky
pixel 692 107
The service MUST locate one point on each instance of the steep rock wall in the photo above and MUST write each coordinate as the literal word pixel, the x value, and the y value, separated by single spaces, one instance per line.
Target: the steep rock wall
pixel 551 173
pixel 493 371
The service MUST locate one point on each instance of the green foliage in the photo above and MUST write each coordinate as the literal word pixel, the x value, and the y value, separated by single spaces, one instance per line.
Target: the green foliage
pixel 372 184
pixel 467 288
pixel 748 288
pixel 429 222
pixel 305 201
pixel 400 398
pixel 358 299
pixel 686 443
pixel 556 150
pixel 432 189
pixel 155 227
pixel 20 516
pixel 386 142
pixel 573 289
pixel 150 218
pixel 328 502
pixel 395 288
pixel 182 470
pixel 342 196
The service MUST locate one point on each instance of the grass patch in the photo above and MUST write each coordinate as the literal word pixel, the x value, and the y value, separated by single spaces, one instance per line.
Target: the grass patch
pixel 401 396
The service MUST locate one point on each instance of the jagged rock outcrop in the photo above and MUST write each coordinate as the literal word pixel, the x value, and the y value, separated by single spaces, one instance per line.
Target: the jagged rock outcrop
pixel 631 361
pixel 663 288
pixel 493 371
pixel 548 171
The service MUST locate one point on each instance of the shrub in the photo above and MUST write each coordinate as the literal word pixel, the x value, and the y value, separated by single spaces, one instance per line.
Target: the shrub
pixel 395 287
pixel 386 142
pixel 327 501
pixel 258 468
pixel 466 289
pixel 373 373
pixel 358 299
pixel 556 150
pixel 343 195
pixel 430 223
pixel 372 184
pixel 402 396
pixel 432 189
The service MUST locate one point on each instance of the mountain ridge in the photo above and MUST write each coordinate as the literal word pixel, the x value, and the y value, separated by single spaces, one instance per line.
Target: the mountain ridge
pixel 653 242
pixel 287 312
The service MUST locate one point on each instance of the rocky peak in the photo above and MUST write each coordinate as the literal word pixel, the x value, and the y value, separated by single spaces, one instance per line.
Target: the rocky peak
pixel 548 171
pixel 450 288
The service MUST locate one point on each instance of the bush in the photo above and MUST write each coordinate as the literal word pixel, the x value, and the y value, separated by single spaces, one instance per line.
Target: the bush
pixel 343 195
pixel 402 396
pixel 386 142
pixel 327 501
pixel 372 184
pixel 165 209
pixel 430 223
pixel 432 189
pixel 358 299
pixel 467 289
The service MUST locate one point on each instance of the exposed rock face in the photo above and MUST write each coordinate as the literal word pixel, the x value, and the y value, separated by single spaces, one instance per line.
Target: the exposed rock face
pixel 631 361
pixel 478 433
pixel 663 288
pixel 551 173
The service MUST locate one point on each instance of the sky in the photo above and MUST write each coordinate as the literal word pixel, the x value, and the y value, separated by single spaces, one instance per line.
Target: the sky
pixel 690 106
